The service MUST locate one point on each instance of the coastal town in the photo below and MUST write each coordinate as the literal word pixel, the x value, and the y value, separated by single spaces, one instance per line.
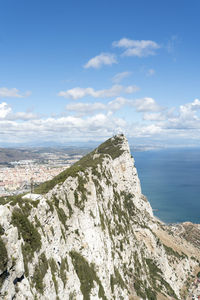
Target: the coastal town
pixel 23 175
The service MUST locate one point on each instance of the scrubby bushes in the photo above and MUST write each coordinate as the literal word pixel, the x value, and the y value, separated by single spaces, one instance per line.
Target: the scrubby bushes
pixel 30 235
pixel 111 147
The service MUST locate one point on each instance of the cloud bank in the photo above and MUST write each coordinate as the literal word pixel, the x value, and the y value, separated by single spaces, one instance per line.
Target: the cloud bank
pixel 100 60
pixel 139 48
pixel 115 90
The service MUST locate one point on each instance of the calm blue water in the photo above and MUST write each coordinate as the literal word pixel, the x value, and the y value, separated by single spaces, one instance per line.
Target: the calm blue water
pixel 171 181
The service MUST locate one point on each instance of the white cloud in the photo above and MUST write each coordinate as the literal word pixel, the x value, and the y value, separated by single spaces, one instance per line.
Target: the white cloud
pixel 192 106
pixel 115 90
pixel 146 105
pixel 187 117
pixel 150 130
pixel 85 108
pixel 5 109
pixel 120 76
pixel 23 116
pixel 185 123
pixel 137 48
pixel 154 122
pixel 117 103
pixel 100 60
pixel 7 113
pixel 12 93
pixel 154 117
pixel 66 128
pixel 131 89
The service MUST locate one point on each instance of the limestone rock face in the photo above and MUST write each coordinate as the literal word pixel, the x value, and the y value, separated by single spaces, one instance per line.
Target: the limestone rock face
pixel 91 234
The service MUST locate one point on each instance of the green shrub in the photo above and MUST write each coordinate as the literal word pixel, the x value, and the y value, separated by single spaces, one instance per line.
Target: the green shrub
pixel 1 230
pixel 103 227
pixel 3 262
pixel 111 147
pixel 25 204
pixel 54 270
pixel 25 228
pixel 63 267
pixel 139 288
pixel 128 203
pixel 116 280
pixel 62 216
pixel 3 256
pixel 39 273
pixel 51 208
pixel 169 251
pixel 69 207
pixel 38 224
pixel 87 275
pixel 156 276
pixel 52 230
pixel 30 235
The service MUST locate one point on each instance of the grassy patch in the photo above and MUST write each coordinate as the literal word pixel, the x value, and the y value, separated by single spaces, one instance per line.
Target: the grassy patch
pixel 30 235
pixel 62 216
pixel 1 230
pixel 169 251
pixel 87 275
pixel 69 207
pixel 54 270
pixel 139 288
pixel 26 205
pixel 39 225
pixel 39 273
pixel 156 277
pixel 112 147
pixel 128 203
pixel 153 269
pixel 51 208
pixel 103 227
pixel 117 280
pixel 3 256
pixel 63 268
pixel 52 230
pixel 60 212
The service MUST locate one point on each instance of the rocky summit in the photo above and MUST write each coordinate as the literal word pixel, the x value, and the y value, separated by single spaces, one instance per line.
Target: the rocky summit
pixel 90 234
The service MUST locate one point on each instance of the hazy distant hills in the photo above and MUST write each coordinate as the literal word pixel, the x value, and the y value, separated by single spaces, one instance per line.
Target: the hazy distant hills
pixel 7 155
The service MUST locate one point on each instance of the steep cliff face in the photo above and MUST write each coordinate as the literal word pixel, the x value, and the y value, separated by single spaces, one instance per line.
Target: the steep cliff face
pixel 91 234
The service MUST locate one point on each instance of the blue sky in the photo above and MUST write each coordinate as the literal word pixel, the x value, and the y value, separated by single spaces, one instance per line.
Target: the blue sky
pixel 85 70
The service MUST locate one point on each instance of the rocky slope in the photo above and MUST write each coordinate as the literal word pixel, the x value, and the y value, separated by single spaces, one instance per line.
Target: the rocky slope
pixel 91 234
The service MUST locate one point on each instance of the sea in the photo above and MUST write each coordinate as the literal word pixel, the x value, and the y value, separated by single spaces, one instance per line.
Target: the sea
pixel 170 179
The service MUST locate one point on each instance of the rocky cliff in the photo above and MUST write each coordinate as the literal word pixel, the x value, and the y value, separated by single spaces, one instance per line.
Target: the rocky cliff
pixel 90 234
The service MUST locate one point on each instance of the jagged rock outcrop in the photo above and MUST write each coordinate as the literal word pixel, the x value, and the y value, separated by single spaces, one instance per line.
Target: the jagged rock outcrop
pixel 91 234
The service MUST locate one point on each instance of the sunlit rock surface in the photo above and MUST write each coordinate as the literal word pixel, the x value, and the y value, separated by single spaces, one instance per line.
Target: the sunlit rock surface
pixel 90 234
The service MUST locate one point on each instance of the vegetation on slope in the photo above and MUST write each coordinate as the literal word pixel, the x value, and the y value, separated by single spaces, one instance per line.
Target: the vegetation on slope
pixel 117 280
pixel 40 272
pixel 157 280
pixel 3 255
pixel 87 275
pixel 30 235
pixel 25 204
pixel 111 147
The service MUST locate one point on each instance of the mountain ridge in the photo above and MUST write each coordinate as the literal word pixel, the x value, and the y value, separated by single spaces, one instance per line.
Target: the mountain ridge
pixel 91 234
